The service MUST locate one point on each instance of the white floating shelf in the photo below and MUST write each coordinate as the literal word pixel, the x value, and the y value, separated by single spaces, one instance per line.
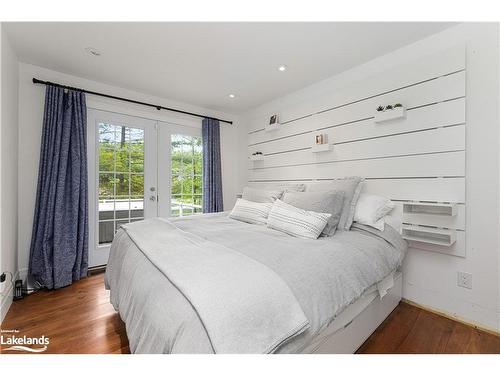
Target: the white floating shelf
pixel 257 157
pixel 271 127
pixel 441 209
pixel 390 114
pixel 321 148
pixel 434 236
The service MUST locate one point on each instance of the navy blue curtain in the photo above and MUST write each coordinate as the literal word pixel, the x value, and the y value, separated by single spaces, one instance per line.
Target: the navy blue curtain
pixel 212 174
pixel 59 241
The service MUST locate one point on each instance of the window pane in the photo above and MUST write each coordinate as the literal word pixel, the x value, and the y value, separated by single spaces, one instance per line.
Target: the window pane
pixel 137 186
pixel 107 135
pixel 197 184
pixel 106 185
pixel 106 231
pixel 136 161
pixel 106 210
pixel 176 187
pixel 122 159
pixel 106 158
pixel 135 138
pixel 187 210
pixel 136 209
pixel 121 189
pixel 187 185
pixel 122 184
pixel 187 169
pixel 122 208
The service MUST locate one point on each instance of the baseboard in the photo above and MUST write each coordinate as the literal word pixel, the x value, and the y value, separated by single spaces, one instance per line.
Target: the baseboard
pixel 452 317
pixel 7 298
pixel 96 270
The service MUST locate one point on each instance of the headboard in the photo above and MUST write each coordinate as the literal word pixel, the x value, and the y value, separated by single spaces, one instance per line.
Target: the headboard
pixel 417 156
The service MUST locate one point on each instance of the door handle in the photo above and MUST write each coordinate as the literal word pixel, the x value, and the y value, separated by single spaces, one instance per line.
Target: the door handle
pixel 152 198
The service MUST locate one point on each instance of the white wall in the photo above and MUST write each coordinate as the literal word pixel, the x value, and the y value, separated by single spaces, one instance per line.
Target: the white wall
pixel 31 106
pixel 430 278
pixel 8 168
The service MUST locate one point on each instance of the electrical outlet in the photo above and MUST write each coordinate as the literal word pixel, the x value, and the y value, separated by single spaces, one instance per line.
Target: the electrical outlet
pixel 464 280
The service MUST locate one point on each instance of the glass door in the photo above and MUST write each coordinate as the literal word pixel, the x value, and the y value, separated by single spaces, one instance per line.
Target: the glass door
pixel 180 170
pixel 122 177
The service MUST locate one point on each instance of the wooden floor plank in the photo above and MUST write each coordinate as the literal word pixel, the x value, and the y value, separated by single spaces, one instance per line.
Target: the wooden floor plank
pixel 80 319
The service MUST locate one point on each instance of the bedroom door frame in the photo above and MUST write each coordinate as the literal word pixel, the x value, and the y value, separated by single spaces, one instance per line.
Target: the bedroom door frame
pixel 157 169
pixel 99 254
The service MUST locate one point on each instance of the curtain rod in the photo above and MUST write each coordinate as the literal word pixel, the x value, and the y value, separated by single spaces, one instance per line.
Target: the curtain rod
pixel 158 107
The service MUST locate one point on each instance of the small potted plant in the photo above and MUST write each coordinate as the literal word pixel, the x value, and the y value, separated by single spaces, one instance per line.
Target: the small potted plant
pixel 390 112
pixel 257 155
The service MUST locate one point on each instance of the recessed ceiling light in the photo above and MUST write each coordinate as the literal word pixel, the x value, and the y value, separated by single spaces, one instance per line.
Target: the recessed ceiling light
pixel 92 51
pixel 232 96
pixel 282 68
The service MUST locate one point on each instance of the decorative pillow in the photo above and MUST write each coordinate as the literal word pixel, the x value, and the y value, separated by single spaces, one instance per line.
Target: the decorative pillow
pixel 351 186
pixel 250 212
pixel 329 202
pixel 260 195
pixel 296 221
pixel 371 209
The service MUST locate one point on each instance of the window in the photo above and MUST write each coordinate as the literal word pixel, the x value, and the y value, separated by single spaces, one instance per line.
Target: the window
pixel 187 169
pixel 121 178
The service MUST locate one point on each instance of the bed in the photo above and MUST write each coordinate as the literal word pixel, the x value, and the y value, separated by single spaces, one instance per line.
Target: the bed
pixel 333 291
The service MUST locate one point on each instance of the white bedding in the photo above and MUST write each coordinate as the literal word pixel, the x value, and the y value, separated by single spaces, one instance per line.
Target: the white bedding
pixel 325 276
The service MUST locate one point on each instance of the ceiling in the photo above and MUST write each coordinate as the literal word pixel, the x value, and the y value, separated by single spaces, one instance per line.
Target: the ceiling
pixel 202 63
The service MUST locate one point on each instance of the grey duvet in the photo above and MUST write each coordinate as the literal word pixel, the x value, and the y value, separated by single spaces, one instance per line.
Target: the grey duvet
pixel 166 311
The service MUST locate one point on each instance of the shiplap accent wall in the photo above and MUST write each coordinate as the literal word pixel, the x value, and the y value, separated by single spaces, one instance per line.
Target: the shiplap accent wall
pixel 420 158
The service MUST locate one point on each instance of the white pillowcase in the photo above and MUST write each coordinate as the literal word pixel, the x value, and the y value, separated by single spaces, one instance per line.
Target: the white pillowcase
pixel 261 195
pixel 250 212
pixel 295 221
pixel 371 209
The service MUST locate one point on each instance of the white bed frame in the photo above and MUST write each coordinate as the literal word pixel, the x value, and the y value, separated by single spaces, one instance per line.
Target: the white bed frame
pixel 349 338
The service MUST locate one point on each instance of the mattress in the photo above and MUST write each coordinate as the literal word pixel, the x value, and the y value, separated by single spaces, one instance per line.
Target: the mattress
pixel 326 276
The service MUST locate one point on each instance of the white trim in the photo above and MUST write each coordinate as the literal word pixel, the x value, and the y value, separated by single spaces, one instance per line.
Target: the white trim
pixel 7 299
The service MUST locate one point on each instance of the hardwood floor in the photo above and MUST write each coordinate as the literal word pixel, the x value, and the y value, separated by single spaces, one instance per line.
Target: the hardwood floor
pixel 76 319
pixel 410 329
pixel 80 319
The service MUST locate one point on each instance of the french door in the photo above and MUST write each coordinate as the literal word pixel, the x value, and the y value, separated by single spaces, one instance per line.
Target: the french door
pixel 138 169
pixel 179 170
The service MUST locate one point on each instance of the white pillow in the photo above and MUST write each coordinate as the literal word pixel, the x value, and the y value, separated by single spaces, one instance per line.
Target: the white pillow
pixel 351 186
pixel 371 209
pixel 295 221
pixel 261 195
pixel 250 212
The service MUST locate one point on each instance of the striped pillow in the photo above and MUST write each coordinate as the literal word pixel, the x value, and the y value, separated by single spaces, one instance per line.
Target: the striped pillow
pixel 295 221
pixel 251 212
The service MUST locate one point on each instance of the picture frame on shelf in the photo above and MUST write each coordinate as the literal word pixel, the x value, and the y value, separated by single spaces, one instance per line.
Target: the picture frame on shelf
pixel 273 120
